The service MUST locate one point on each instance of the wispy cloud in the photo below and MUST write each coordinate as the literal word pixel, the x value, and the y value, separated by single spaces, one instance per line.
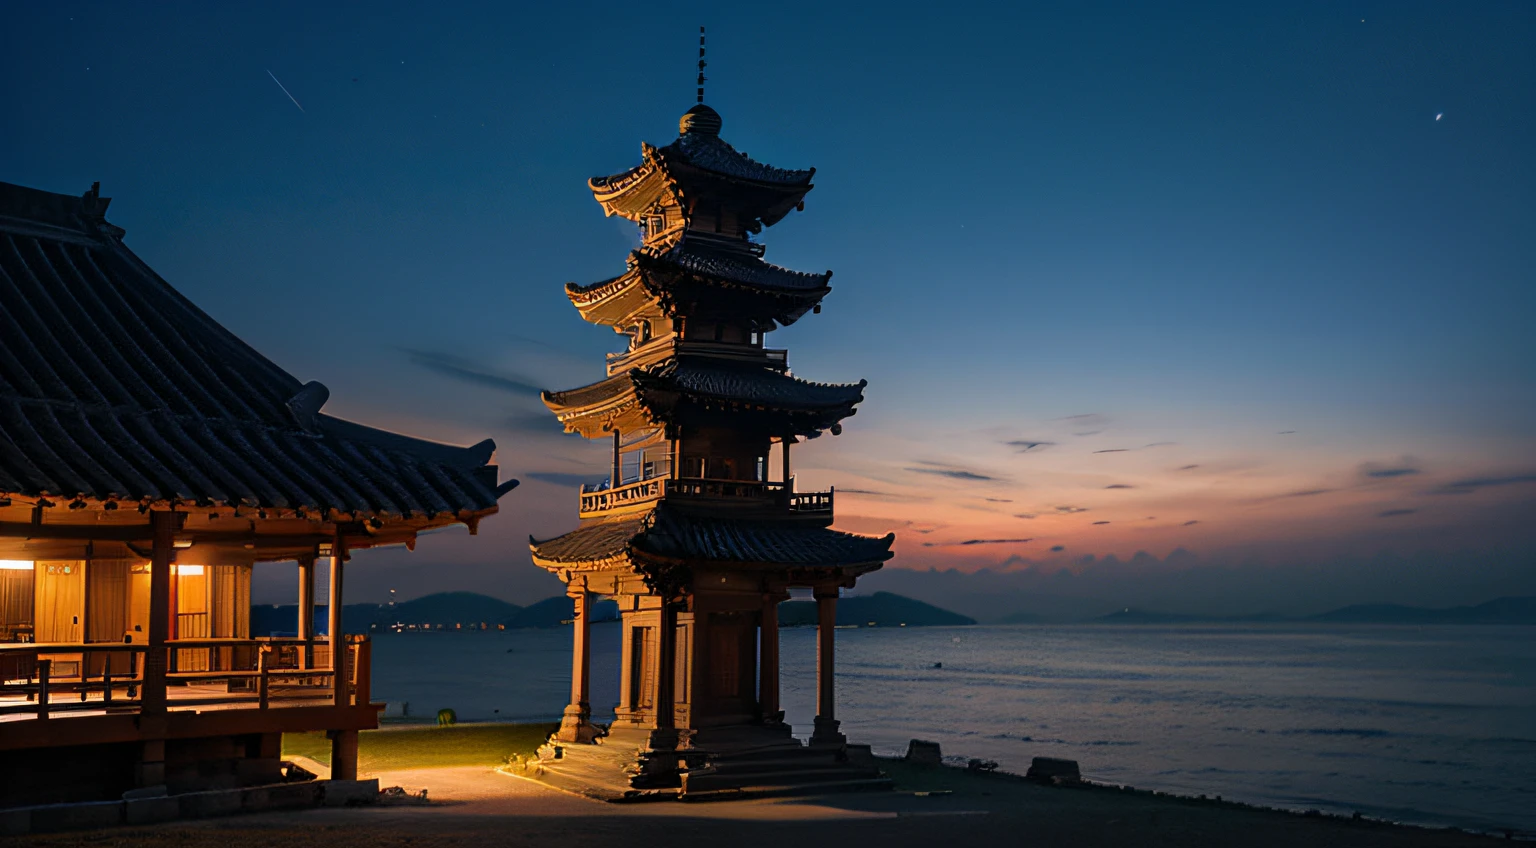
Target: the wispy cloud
pixel 1188 467
pixel 1472 484
pixel 1071 510
pixel 467 371
pixel 1119 486
pixel 1306 493
pixel 533 422
pixel 1088 424
pixel 1388 513
pixel 1000 500
pixel 1113 450
pixel 953 472
pixel 1190 523
pixel 1027 445
pixel 1024 515
pixel 1379 471
pixel 1056 549
pixel 1101 522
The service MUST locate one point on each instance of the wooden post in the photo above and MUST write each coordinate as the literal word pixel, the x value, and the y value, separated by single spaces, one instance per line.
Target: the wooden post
pixel 768 661
pixel 666 665
pixel 618 471
pixel 156 654
pixel 363 693
pixel 264 681
pixel 106 682
pixel 784 455
pixel 44 671
pixel 343 754
pixel 306 626
pixel 825 732
pixel 576 724
pixel 337 639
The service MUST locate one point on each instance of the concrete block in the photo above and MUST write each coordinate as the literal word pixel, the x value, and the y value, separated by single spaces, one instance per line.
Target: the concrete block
pixel 152 809
pixel 281 796
pixel 16 822
pixel 1053 770
pixel 220 802
pixel 340 793
pixel 924 753
pixel 57 817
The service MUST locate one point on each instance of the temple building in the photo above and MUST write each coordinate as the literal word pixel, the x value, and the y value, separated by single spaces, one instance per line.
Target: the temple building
pixel 148 460
pixel 699 531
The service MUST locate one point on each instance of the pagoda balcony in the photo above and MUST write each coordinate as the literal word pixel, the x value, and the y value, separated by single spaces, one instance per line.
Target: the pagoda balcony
pixel 746 495
pixel 40 681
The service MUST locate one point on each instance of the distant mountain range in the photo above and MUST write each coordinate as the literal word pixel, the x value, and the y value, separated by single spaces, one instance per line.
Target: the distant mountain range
pixel 882 609
pixel 473 611
pixel 441 611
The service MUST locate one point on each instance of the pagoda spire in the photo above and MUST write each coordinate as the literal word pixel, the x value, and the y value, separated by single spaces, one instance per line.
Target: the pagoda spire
pixel 702 63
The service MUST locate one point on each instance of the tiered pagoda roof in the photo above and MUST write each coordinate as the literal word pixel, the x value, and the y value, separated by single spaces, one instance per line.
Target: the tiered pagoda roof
pixel 685 388
pixel 699 164
pixel 665 533
pixel 700 279
pixel 116 389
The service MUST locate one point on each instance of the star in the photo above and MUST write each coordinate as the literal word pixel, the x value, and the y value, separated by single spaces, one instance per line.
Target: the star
pixel 1439 115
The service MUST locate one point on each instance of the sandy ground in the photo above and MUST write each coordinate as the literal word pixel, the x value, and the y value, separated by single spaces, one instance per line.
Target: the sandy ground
pixel 480 807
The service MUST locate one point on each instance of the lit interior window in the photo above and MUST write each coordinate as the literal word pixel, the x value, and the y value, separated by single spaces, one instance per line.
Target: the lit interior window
pixel 189 570
pixel 15 565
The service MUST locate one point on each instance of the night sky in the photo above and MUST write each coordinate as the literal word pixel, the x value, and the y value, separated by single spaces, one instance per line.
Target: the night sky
pixel 1254 281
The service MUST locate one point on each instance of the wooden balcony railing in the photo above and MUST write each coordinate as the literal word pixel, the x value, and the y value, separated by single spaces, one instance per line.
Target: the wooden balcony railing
pixel 43 680
pixel 739 491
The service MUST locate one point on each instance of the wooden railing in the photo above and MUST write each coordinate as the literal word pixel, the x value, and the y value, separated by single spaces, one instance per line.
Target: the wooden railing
pixel 277 671
pixel 740 491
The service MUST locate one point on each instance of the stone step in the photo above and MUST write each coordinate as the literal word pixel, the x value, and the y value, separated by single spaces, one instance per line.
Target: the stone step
pixel 724 765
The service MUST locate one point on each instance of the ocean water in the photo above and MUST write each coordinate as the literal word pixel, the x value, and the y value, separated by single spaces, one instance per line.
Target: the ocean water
pixel 1431 725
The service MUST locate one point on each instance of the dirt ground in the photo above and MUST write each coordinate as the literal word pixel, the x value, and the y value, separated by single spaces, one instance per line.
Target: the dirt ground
pixel 475 806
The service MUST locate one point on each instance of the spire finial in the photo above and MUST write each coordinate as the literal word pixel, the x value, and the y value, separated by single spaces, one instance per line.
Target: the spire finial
pixel 702 63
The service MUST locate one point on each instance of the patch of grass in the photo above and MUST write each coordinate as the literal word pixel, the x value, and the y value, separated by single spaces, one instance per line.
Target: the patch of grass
pixel 428 747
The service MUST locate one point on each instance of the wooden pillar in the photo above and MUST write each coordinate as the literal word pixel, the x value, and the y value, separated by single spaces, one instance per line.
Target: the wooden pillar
pixel 343 754
pixel 162 554
pixel 825 732
pixel 617 470
pixel 666 665
pixel 768 661
pixel 576 724
pixel 306 626
pixel 784 455
pixel 337 639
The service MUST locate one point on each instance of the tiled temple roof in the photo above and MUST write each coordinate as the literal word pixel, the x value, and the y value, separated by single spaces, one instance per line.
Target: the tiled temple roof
pixel 736 266
pixel 115 387
pixel 713 153
pixel 715 379
pixel 674 535
pixel 749 384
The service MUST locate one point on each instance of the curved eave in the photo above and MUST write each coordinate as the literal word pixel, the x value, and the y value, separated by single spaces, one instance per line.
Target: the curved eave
pixel 665 288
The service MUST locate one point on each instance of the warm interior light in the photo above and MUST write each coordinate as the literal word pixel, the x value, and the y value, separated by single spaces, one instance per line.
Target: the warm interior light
pixel 15 565
pixel 189 570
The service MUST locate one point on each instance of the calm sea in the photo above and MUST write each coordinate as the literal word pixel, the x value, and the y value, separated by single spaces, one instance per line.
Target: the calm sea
pixel 1433 725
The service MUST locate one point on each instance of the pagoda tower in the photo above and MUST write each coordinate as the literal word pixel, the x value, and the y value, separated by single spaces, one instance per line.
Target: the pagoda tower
pixel 699 532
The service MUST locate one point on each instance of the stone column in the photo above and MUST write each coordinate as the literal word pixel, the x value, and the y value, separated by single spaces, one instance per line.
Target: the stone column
pixel 825 732
pixel 768 661
pixel 576 724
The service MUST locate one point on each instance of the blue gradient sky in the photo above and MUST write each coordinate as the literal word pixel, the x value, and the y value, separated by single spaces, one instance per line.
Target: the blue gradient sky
pixel 1202 225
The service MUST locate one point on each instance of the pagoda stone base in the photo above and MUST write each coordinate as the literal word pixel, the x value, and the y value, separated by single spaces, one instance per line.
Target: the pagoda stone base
pixel 713 763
